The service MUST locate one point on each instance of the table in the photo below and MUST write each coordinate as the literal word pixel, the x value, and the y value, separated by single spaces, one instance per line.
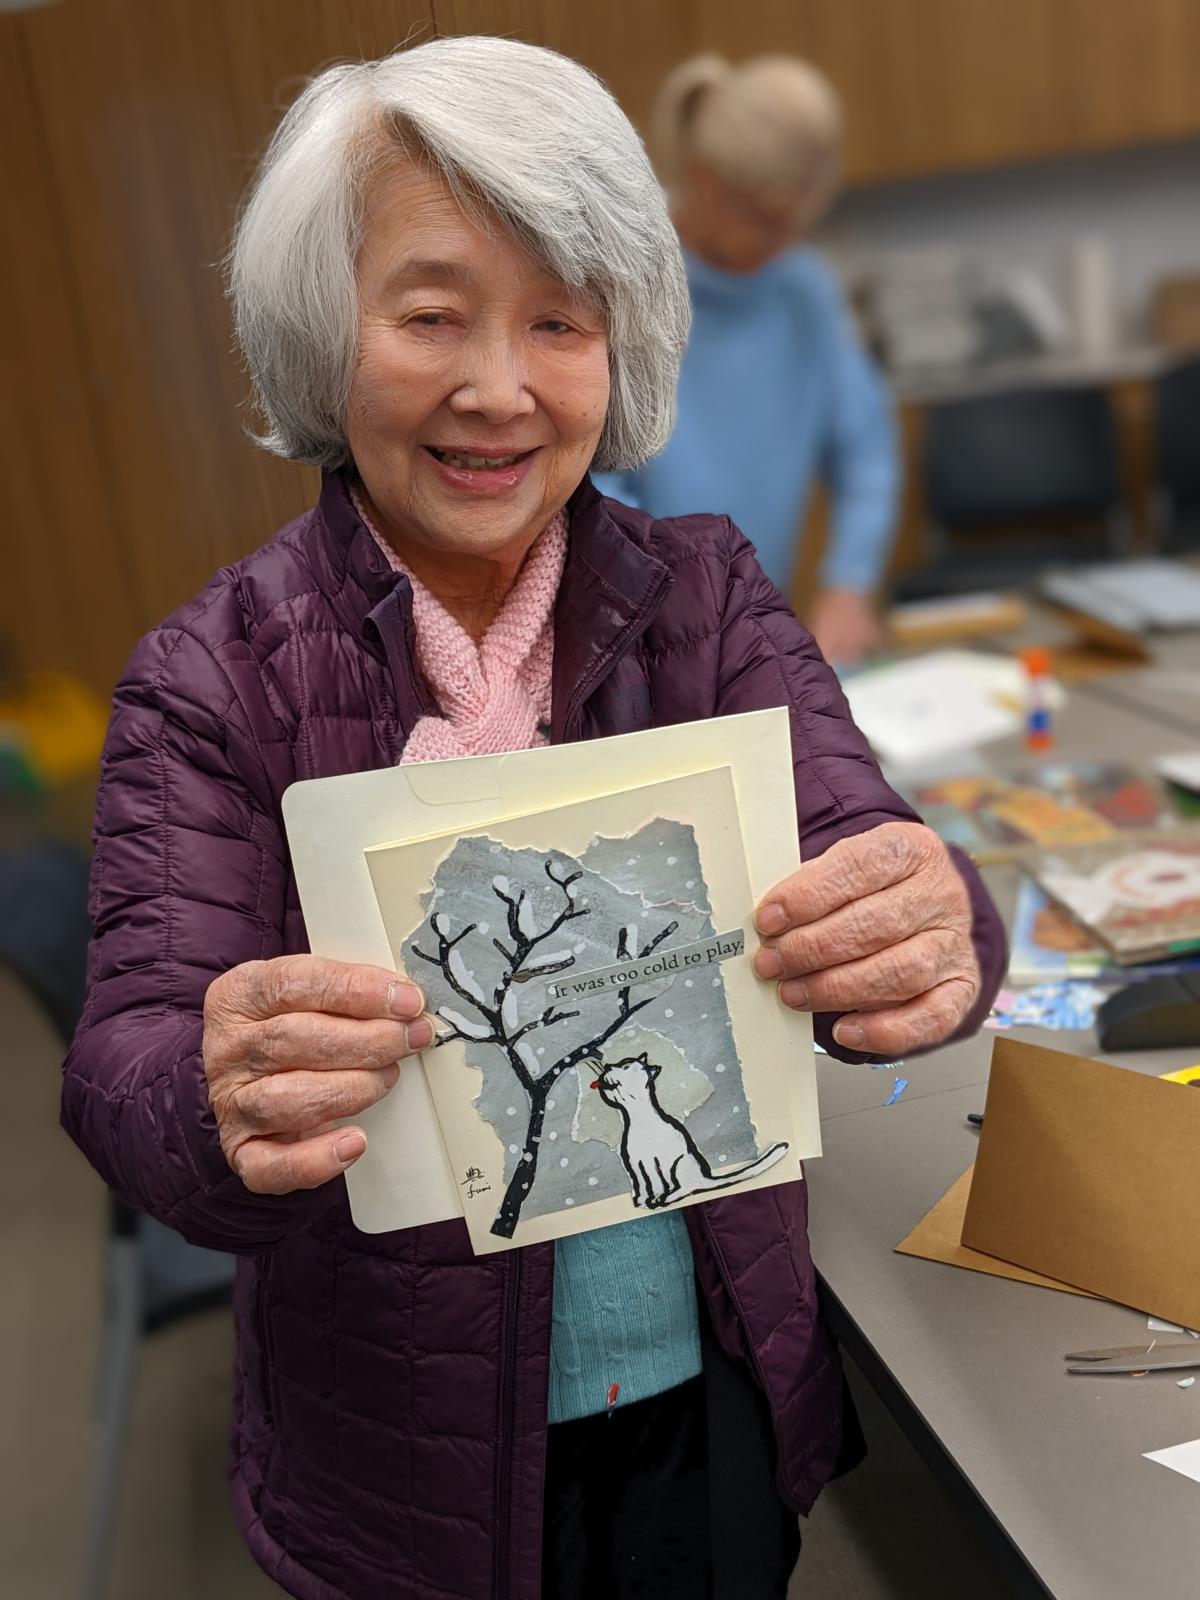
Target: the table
pixel 1047 1465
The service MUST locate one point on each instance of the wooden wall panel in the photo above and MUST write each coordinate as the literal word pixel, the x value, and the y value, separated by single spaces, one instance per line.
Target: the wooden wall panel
pixel 1131 71
pixel 154 112
pixel 68 594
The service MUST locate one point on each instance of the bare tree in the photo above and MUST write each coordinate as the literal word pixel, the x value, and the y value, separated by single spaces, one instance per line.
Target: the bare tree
pixel 493 1020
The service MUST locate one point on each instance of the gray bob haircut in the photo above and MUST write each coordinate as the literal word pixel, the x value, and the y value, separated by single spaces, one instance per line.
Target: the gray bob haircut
pixel 516 131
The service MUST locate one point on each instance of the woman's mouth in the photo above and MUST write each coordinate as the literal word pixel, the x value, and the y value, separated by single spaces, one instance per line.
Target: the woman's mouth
pixel 480 471
pixel 472 462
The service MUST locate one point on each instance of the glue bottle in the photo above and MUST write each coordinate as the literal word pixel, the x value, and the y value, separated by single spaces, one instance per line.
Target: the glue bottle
pixel 1039 733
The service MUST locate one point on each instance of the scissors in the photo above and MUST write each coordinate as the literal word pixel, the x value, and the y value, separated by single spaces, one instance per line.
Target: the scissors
pixel 1136 1358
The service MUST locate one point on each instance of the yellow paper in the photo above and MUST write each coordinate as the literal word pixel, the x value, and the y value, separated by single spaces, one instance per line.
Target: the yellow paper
pixel 1184 1075
pixel 404 1178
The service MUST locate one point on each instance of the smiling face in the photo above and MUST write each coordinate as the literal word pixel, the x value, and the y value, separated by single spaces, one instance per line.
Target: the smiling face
pixel 481 384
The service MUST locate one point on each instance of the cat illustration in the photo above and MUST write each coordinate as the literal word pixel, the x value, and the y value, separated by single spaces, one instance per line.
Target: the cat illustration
pixel 660 1155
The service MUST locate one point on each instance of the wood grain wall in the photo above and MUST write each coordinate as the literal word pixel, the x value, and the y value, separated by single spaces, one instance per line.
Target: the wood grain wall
pixel 129 128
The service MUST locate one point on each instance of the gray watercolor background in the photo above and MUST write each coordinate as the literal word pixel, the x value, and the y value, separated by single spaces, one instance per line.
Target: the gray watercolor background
pixel 646 880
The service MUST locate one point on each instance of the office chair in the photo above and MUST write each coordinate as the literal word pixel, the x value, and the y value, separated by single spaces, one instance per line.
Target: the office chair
pixel 152 1277
pixel 1015 482
pixel 1177 437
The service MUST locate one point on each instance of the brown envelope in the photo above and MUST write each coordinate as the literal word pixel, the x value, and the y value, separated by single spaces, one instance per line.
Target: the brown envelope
pixel 938 1237
pixel 1088 1173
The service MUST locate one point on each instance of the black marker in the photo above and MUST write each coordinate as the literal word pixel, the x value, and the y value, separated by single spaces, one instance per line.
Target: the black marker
pixel 975 1118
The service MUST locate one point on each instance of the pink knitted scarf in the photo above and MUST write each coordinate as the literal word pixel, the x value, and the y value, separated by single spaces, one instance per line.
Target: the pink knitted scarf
pixel 494 695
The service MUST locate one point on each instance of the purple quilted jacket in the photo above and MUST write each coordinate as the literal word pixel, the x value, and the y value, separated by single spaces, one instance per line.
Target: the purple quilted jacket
pixel 390 1390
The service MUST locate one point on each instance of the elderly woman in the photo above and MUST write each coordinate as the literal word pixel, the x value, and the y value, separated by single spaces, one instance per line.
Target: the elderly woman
pixel 775 390
pixel 456 286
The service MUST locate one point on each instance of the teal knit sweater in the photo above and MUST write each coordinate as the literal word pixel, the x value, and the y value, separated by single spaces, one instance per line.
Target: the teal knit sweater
pixel 624 1313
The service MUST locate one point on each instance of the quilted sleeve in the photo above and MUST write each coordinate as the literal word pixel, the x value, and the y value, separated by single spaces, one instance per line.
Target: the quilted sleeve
pixel 769 659
pixel 189 879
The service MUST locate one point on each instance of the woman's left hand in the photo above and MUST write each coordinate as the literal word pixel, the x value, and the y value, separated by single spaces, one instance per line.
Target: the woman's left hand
pixel 879 927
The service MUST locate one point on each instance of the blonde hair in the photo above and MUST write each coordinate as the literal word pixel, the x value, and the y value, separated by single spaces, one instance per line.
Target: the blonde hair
pixel 772 124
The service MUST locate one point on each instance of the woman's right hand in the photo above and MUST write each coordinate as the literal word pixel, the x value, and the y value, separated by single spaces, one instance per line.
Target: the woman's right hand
pixel 293 1045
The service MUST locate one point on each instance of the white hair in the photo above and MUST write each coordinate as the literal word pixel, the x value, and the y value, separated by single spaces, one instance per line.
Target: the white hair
pixel 770 124
pixel 518 132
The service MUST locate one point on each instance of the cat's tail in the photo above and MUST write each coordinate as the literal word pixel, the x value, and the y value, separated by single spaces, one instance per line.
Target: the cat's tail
pixel 722 1180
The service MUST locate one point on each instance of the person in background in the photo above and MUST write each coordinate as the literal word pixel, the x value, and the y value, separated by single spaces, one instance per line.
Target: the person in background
pixel 775 389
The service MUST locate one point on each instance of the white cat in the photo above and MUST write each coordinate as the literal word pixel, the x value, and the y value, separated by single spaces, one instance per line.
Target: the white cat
pixel 660 1155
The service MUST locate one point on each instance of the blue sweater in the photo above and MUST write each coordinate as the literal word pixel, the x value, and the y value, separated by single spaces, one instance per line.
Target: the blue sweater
pixel 624 1312
pixel 775 389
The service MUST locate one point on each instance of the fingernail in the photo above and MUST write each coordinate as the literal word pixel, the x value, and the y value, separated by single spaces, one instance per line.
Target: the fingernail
pixel 349 1147
pixel 419 1033
pixel 849 1034
pixel 794 993
pixel 404 999
pixel 391 1075
pixel 768 964
pixel 771 918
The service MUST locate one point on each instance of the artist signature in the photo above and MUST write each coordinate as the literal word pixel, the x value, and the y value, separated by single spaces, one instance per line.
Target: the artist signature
pixel 475 1183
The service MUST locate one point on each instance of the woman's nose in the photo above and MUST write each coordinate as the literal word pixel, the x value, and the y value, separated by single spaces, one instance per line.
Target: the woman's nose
pixel 493 382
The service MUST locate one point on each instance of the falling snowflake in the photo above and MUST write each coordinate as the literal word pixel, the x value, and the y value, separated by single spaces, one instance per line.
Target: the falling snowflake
pixel 690 884
pixel 496 849
pixel 632 862
pixel 568 1201
pixel 716 983
pixel 512 1149
pixel 720 1067
pixel 722 1157
pixel 592 1182
pixel 554 1135
pixel 668 1013
pixel 511 1111
pixel 549 1103
pixel 565 1161
pixel 671 860
pixel 687 983
pixel 737 1110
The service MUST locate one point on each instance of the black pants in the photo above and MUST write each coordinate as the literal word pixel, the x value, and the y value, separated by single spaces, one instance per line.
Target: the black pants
pixel 672 1498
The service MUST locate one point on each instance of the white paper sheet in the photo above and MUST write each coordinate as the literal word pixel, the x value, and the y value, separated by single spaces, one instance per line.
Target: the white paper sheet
pixel 916 711
pixel 1184 1458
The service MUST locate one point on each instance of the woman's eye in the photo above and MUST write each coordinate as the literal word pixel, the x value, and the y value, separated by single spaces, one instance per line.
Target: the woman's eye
pixel 555 325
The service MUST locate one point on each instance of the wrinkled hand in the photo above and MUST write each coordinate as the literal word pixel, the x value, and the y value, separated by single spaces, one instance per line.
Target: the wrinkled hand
pixel 878 927
pixel 291 1046
pixel 843 624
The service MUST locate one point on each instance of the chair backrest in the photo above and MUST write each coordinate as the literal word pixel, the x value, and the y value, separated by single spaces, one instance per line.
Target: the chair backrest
pixel 1033 456
pixel 44 934
pixel 44 927
pixel 1178 437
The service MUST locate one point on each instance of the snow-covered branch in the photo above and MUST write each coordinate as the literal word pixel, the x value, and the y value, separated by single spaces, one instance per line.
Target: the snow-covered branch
pixel 465 1028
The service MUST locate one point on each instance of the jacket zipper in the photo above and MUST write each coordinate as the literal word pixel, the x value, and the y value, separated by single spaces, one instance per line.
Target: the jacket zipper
pixel 620 645
pixel 508 1367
